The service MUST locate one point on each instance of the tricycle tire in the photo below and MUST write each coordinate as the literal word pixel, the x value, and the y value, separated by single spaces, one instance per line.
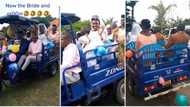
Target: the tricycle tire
pixel 120 92
pixel 52 69
pixel 1 86
pixel 131 87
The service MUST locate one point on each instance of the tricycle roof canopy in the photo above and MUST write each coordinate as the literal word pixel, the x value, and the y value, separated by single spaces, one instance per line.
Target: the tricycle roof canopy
pixel 68 18
pixel 15 19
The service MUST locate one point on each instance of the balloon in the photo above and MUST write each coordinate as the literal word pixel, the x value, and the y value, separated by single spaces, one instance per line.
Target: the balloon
pixel 182 100
pixel 15 48
pixel 161 81
pixel 101 51
pixel 12 71
pixel 10 47
pixel 129 54
pixel 50 45
pixel 4 49
pixel 12 57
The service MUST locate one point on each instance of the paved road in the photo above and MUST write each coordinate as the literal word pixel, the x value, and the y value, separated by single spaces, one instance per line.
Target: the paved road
pixel 166 100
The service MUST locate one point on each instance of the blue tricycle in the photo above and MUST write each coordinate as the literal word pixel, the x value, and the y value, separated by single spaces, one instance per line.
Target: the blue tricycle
pixel 48 63
pixel 153 71
pixel 98 73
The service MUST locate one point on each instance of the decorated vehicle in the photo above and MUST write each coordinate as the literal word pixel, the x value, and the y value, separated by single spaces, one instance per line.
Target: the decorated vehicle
pixel 9 53
pixel 100 69
pixel 153 71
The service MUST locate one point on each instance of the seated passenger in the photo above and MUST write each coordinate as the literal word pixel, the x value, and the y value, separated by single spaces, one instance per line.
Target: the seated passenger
pixel 95 34
pixel 70 57
pixel 53 35
pixel 82 36
pixel 158 34
pixel 145 37
pixel 34 52
pixel 42 35
pixel 179 37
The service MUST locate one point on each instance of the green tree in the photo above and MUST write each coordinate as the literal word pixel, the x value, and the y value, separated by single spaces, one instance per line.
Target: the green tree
pixel 78 25
pixel 162 11
pixel 174 22
pixel 45 20
pixel 186 21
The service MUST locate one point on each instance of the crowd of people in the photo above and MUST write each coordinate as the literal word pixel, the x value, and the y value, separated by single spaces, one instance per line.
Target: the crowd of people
pixel 90 38
pixel 143 35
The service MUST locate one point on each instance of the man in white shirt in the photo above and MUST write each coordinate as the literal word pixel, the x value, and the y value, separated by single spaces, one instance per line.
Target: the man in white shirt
pixel 95 35
pixel 70 57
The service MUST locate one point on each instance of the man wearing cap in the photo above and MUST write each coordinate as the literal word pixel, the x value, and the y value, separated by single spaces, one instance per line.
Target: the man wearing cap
pixel 95 35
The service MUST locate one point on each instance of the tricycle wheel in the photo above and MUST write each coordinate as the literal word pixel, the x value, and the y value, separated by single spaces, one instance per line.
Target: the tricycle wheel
pixel 1 86
pixel 131 86
pixel 52 69
pixel 120 92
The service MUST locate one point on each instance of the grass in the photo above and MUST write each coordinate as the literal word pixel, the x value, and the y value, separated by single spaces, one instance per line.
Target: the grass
pixel 36 91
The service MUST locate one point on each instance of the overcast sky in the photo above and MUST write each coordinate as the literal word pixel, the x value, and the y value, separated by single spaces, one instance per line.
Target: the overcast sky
pixel 86 8
pixel 141 9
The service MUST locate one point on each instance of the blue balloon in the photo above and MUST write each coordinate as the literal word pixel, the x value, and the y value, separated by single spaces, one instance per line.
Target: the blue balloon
pixel 50 45
pixel 12 71
pixel 101 51
pixel 182 100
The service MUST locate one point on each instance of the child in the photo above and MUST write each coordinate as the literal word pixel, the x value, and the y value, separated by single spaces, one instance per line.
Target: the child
pixel 34 53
